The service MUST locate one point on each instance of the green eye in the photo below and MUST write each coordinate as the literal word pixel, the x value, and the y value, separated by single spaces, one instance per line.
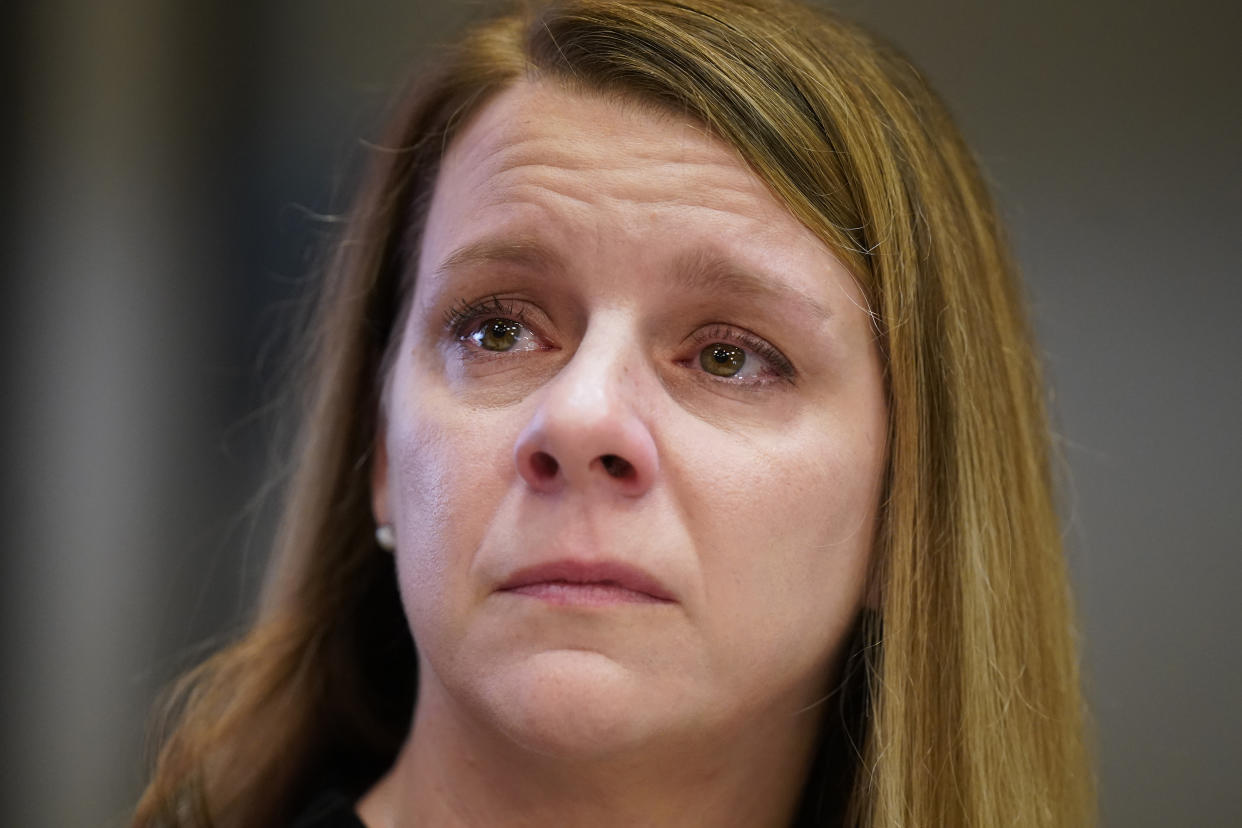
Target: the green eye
pixel 721 359
pixel 498 334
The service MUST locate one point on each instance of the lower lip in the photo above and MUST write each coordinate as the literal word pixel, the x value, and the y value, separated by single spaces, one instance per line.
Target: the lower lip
pixel 591 595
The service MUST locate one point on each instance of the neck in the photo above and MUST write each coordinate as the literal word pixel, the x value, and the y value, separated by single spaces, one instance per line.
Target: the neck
pixel 455 771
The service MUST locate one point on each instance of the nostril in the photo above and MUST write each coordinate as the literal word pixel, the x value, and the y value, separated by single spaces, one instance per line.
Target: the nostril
pixel 617 466
pixel 544 464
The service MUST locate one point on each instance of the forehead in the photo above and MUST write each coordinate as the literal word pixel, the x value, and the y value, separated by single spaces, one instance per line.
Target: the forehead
pixel 549 109
pixel 542 133
pixel 571 167
pixel 619 199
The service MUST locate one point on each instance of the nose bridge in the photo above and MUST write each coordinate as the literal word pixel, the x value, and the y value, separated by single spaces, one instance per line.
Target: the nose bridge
pixel 587 429
pixel 600 379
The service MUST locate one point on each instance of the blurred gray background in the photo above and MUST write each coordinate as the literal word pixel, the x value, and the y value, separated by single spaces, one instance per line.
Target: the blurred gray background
pixel 169 162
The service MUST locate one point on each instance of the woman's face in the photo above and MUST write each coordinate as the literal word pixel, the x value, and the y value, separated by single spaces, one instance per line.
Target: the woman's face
pixel 633 438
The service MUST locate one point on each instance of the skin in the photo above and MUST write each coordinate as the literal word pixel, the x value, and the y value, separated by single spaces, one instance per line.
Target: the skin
pixel 624 241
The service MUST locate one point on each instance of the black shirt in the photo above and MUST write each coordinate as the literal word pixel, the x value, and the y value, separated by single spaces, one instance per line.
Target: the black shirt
pixel 330 809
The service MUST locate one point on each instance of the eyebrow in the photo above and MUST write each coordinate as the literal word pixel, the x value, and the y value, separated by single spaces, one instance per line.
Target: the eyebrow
pixel 524 251
pixel 707 271
pixel 700 270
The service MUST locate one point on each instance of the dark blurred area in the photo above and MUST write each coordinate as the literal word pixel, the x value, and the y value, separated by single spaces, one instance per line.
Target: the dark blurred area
pixel 175 172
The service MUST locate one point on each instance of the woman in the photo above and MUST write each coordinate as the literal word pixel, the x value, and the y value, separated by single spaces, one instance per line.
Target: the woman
pixel 672 391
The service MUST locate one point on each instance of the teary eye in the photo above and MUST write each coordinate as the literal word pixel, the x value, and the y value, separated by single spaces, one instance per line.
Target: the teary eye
pixel 737 357
pixel 497 335
pixel 490 327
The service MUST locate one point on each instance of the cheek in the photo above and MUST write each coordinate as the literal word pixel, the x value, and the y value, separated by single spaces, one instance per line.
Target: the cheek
pixel 805 495
pixel 785 530
pixel 449 469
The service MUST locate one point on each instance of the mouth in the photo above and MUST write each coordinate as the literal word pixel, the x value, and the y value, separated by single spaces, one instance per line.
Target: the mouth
pixel 582 583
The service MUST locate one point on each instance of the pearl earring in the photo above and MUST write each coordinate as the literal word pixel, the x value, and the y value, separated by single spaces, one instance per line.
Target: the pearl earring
pixel 386 537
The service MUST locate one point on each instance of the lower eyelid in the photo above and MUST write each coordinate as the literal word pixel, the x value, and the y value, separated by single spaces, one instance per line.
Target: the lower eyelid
pixel 766 377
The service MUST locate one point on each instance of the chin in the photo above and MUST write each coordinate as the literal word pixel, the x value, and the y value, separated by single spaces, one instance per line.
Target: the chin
pixel 576 704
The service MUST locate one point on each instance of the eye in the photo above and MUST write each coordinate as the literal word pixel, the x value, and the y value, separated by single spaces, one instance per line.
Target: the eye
pixel 738 357
pixel 722 359
pixel 490 327
pixel 498 335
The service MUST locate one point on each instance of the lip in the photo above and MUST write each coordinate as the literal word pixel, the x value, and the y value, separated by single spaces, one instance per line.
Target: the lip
pixel 573 581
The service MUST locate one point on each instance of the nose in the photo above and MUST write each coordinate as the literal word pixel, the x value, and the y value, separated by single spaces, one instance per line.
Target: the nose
pixel 586 433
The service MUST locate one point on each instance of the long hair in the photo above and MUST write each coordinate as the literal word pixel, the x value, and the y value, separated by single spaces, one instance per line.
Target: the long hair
pixel 963 705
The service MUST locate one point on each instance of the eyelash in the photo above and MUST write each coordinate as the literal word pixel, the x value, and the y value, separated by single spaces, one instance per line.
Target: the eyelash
pixel 463 315
pixel 460 315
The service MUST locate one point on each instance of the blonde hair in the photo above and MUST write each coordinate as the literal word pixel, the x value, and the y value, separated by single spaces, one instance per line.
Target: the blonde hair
pixel 964 708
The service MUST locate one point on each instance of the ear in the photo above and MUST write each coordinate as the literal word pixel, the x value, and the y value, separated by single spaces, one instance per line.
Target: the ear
pixel 379 473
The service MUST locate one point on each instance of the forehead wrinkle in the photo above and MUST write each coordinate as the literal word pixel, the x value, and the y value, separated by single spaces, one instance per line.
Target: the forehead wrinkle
pixel 706 270
pixel 540 149
pixel 531 158
pixel 556 189
pixel 546 168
